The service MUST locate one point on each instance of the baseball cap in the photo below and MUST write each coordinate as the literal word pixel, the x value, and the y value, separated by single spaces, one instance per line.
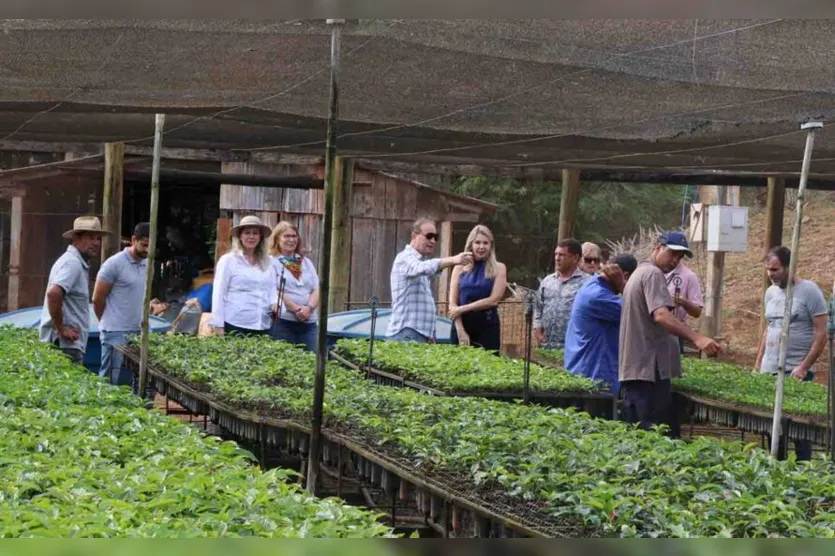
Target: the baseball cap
pixel 626 262
pixel 676 241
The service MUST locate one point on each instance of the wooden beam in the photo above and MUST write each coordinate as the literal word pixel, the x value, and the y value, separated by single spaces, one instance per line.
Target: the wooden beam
pixel 469 217
pixel 711 321
pixel 569 204
pixel 491 168
pixel 446 251
pixel 221 178
pixel 13 296
pixel 114 171
pixel 340 279
pixel 774 213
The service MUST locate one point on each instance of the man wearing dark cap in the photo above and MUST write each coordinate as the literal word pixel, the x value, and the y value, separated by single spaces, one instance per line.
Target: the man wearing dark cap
pixel 591 342
pixel 649 351
pixel 118 298
pixel 683 284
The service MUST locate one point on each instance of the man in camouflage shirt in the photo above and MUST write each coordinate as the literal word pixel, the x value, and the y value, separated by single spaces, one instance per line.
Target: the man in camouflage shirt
pixel 556 295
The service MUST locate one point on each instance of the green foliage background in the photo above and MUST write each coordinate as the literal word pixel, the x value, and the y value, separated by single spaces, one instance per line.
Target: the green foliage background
pixel 526 223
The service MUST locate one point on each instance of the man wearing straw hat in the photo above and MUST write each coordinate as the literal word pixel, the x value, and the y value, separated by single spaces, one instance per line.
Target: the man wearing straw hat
pixel 245 293
pixel 65 319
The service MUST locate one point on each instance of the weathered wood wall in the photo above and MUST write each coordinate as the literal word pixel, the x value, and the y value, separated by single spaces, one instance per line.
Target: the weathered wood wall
pixel 49 209
pixel 383 209
pixel 272 205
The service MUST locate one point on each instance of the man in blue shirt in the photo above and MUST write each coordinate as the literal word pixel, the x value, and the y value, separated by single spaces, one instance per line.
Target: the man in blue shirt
pixel 591 341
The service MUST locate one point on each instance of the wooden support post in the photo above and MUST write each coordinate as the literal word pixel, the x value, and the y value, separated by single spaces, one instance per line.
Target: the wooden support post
pixel 114 160
pixel 325 263
pixel 152 248
pixel 341 235
pixel 446 251
pixel 223 237
pixel 13 297
pixel 774 213
pixel 711 321
pixel 712 318
pixel 569 203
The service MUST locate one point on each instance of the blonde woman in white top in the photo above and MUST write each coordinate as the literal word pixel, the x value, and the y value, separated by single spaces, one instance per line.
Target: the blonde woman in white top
pixel 297 323
pixel 245 291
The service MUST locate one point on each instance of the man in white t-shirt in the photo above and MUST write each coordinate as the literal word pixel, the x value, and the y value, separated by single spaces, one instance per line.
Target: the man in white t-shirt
pixel 807 330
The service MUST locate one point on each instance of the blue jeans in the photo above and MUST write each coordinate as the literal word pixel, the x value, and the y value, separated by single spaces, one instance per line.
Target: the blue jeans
pixel 296 333
pixel 409 335
pixel 111 359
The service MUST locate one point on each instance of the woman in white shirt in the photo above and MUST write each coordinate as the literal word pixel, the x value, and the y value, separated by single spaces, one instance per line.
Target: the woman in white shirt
pixel 245 291
pixel 297 322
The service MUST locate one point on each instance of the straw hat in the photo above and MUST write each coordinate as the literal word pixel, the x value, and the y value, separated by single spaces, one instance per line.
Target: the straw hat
pixel 252 222
pixel 85 224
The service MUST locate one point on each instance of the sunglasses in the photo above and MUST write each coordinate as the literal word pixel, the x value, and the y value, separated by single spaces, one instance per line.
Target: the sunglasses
pixel 431 236
pixel 591 260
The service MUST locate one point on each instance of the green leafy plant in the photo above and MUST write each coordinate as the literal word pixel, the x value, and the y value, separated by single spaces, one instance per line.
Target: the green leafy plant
pixel 729 383
pixel 81 458
pixel 555 357
pixel 462 368
pixel 593 476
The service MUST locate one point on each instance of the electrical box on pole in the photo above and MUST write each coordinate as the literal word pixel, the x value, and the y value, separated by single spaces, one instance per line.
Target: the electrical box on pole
pixel 727 229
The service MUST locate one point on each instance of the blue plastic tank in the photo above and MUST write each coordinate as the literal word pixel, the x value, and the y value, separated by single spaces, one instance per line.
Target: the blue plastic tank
pixel 31 318
pixel 357 324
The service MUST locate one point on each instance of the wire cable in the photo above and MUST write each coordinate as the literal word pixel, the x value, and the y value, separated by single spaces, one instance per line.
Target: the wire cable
pixel 656 153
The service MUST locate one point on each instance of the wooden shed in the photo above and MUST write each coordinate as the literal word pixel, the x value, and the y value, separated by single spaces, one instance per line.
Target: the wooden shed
pixel 36 207
pixel 382 208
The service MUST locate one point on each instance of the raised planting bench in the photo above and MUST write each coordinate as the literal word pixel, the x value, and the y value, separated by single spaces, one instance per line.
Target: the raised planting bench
pixel 463 371
pixel 537 471
pixel 448 503
pixel 728 395
pixel 82 458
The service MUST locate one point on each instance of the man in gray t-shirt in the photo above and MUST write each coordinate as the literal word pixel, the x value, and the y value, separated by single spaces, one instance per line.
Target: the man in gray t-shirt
pixel 808 304
pixel 807 329
pixel 65 318
pixel 118 299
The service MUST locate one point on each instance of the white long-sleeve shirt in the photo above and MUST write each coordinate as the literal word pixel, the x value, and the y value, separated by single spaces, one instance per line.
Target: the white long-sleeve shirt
pixel 243 294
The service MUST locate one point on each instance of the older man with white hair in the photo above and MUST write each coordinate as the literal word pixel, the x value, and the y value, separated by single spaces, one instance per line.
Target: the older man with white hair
pixel 65 319
pixel 413 307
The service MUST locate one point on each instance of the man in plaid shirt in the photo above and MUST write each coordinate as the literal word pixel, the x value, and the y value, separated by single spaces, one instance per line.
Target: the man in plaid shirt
pixel 413 306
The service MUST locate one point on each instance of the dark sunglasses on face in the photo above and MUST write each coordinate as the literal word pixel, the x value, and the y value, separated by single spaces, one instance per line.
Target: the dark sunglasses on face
pixel 431 237
pixel 591 260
